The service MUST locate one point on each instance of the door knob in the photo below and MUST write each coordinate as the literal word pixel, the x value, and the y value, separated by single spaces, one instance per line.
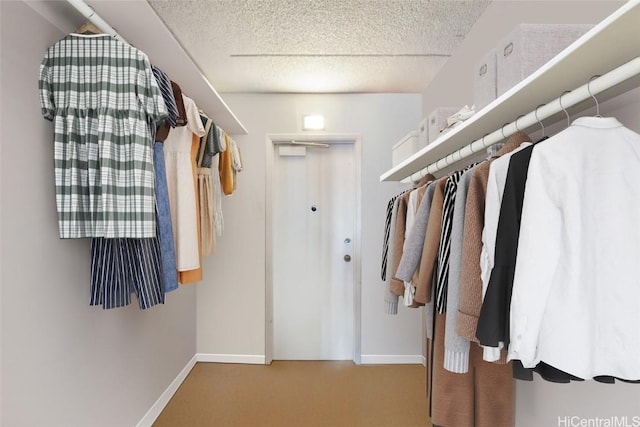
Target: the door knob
pixel 347 258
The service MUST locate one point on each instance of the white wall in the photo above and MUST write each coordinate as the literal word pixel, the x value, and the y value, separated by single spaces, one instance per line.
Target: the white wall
pixel 65 363
pixel 231 304
pixel 540 403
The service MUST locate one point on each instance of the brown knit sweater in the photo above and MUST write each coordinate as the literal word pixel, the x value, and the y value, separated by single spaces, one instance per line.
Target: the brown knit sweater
pixel 470 280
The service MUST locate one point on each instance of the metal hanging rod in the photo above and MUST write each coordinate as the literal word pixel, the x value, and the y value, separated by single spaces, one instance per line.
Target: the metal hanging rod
pixel 566 100
pixel 88 12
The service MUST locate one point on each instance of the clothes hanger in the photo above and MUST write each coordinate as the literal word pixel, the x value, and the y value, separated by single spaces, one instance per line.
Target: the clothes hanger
pixel 202 113
pixel 516 122
pixel 492 150
pixel 483 137
pixel 424 180
pixel 502 131
pixel 543 137
pixel 564 109
pixel 88 28
pixel 538 119
pixel 592 95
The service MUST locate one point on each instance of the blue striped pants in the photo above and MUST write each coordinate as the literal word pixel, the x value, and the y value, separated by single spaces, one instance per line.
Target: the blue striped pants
pixel 120 267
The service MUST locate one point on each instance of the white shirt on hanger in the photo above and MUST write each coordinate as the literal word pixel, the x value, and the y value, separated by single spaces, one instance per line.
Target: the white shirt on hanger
pixel 576 293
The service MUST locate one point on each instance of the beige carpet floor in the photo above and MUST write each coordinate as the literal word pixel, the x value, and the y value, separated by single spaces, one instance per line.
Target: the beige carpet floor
pixel 300 394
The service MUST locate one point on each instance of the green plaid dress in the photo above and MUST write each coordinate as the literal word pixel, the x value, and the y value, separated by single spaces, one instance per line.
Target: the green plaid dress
pixel 101 93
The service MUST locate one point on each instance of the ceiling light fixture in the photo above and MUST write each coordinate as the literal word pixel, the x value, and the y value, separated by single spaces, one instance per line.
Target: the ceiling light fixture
pixel 313 122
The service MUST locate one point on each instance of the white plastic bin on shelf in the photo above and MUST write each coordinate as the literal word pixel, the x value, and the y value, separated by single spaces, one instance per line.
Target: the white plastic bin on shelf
pixel 403 149
pixel 485 80
pixel 438 121
pixel 530 46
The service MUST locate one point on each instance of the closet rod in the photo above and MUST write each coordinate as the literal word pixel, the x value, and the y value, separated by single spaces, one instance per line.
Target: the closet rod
pixel 88 12
pixel 560 104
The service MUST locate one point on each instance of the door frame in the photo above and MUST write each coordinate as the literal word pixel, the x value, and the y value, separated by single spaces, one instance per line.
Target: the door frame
pixel 272 140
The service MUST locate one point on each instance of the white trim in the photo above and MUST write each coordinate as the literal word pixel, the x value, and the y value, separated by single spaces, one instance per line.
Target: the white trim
pixel 357 346
pixel 393 359
pixel 268 248
pixel 330 138
pixel 153 413
pixel 424 361
pixel 248 359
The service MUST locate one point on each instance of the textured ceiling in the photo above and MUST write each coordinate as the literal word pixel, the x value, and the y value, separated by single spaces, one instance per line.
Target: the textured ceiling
pixel 332 46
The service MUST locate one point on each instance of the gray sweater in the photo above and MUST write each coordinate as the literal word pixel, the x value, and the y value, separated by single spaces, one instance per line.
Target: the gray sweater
pixel 414 241
pixel 456 356
pixel 412 250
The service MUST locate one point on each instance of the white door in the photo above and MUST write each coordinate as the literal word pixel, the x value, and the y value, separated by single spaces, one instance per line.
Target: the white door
pixel 314 199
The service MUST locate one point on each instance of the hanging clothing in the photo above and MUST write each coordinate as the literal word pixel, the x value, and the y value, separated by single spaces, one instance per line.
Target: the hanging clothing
pixel 482 397
pixel 165 229
pixel 495 189
pixel 471 282
pixel 218 217
pixel 236 162
pixel 103 148
pixel 180 183
pixel 182 119
pixel 493 323
pixel 576 302
pixel 195 274
pixel 208 143
pixel 409 288
pixel 456 357
pixel 120 267
pixel 390 298
pixel 167 94
pixel 227 175
pixel 397 284
pixel 427 266
pixel 205 187
pixel 442 272
pixel 414 241
pixel 387 238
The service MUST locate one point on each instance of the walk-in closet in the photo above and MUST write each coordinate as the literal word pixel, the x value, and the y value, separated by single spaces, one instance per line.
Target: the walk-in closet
pixel 319 213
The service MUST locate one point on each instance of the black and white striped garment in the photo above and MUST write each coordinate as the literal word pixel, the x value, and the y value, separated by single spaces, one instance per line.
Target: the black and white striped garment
pixel 385 242
pixel 442 275
pixel 167 94
pixel 120 267
pixel 387 229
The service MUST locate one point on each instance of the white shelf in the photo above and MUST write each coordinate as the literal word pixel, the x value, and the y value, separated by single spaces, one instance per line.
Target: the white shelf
pixel 139 24
pixel 611 43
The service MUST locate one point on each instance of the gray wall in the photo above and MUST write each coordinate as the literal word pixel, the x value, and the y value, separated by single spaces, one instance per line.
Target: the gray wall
pixel 65 363
pixel 231 305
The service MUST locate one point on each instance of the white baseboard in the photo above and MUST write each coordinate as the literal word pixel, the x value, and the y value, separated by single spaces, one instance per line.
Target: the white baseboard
pixel 153 413
pixel 231 358
pixel 424 361
pixel 392 359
